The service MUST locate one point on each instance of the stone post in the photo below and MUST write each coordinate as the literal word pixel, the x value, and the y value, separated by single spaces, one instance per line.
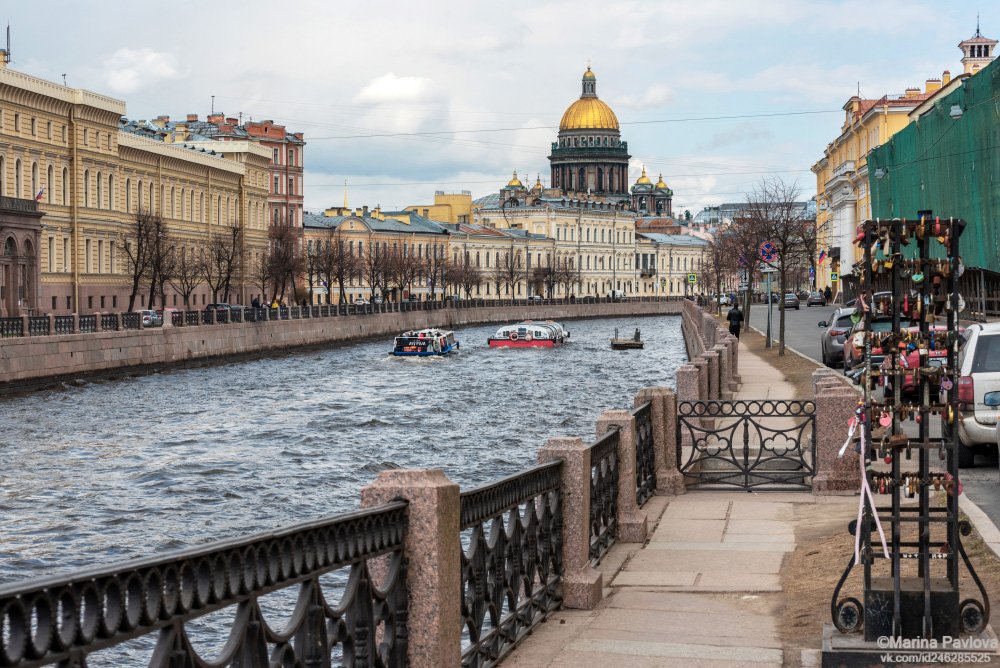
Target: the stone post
pixel 701 364
pixel 687 382
pixel 582 583
pixel 663 406
pixel 76 323
pixel 434 562
pixel 25 327
pixel 213 317
pixel 835 405
pixel 722 350
pixel 631 520
pixel 52 323
pixel 712 362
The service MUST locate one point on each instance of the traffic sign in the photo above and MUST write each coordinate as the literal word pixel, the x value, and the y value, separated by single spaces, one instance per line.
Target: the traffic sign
pixel 743 286
pixel 744 276
pixel 767 252
pixel 812 273
pixel 768 269
pixel 834 278
pixel 692 278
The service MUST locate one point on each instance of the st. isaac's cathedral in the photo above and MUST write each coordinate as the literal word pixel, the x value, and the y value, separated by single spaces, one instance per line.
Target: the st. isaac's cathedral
pixel 589 165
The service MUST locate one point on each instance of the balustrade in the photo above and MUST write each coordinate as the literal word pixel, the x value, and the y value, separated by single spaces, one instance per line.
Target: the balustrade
pixel 88 324
pixel 38 325
pixel 63 324
pixel 109 321
pixel 603 494
pixel 645 458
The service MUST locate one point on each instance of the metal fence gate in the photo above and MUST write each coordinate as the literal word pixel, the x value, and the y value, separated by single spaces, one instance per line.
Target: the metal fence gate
pixel 766 444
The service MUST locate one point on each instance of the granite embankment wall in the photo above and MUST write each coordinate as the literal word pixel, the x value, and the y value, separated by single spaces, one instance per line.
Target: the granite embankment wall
pixel 26 360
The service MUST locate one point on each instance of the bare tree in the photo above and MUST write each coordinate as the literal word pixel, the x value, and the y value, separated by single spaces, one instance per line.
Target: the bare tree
pixel 162 260
pixel 373 269
pixel 286 260
pixel 225 249
pixel 336 263
pixel 261 274
pixel 772 208
pixel 135 246
pixel 188 274
pixel 436 268
pixel 510 271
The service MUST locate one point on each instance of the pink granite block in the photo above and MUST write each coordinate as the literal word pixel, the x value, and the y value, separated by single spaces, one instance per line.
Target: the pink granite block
pixel 434 561
pixel 712 359
pixel 663 407
pixel 582 583
pixel 835 405
pixel 631 520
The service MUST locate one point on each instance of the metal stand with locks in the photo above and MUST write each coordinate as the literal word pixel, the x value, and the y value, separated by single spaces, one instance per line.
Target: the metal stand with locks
pixel 911 348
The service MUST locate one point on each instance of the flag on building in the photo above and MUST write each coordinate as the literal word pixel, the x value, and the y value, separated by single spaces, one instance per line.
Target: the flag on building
pixel 822 256
pixel 38 197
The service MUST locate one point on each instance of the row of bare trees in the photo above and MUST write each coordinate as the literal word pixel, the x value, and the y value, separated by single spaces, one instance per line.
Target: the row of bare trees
pixel 772 213
pixel 156 259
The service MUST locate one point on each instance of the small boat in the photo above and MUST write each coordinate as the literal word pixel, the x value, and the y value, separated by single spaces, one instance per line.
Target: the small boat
pixel 424 342
pixel 627 344
pixel 530 334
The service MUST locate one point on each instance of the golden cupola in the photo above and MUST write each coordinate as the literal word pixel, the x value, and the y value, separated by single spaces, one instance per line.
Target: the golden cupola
pixel 644 180
pixel 589 113
pixel 515 182
pixel 660 185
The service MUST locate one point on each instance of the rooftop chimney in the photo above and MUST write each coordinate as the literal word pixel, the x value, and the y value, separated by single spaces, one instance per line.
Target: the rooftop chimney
pixel 911 93
pixel 946 78
pixel 932 85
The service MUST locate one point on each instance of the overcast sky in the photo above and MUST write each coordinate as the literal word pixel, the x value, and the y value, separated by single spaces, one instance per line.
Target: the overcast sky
pixel 335 70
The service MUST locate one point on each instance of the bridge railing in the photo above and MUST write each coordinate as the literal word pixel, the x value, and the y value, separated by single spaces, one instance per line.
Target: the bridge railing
pixel 603 494
pixel 68 324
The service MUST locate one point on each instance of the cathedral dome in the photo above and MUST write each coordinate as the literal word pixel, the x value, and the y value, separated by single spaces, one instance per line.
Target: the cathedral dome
pixel 589 113
pixel 515 182
pixel 660 185
pixel 644 180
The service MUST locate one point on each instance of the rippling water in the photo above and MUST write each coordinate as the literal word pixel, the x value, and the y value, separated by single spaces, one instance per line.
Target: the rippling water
pixel 128 468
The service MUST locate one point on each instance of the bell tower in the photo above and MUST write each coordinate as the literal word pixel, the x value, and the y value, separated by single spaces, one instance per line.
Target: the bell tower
pixel 977 51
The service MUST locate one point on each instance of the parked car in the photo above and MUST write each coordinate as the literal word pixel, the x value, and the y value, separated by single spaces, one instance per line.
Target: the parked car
pixel 831 341
pixel 816 299
pixel 978 390
pixel 535 298
pixel 617 296
pixel 802 295
pixel 853 354
pixel 361 301
pixel 151 318
pixel 724 300
pixel 377 300
pixel 909 383
pixel 413 298
pixel 791 301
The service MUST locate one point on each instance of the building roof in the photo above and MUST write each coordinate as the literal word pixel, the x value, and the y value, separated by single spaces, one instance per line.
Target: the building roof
pixel 588 113
pixel 417 224
pixel 673 239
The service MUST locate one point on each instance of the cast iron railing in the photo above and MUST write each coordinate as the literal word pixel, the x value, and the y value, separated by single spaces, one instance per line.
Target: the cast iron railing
pixel 65 618
pixel 645 461
pixel 603 494
pixel 88 323
pixel 192 318
pixel 236 314
pixel 131 321
pixel 206 317
pixel 109 322
pixel 63 324
pixel 38 325
pixel 511 561
pixel 11 327
pixel 748 444
pixel 177 318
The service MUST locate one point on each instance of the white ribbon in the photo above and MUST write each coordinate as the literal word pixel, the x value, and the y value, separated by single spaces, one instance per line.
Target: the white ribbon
pixel 853 423
pixel 866 490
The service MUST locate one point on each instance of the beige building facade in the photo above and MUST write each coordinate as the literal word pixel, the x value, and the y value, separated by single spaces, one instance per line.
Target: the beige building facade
pixel 65 147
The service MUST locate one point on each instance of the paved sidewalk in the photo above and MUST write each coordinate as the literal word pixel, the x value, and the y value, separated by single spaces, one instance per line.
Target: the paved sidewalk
pixel 704 590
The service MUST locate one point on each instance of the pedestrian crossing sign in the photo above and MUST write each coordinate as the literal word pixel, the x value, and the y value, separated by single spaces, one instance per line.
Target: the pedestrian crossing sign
pixel 692 278
pixel 834 277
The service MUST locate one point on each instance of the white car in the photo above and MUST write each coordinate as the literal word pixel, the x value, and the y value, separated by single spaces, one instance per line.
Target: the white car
pixel 361 302
pixel 724 300
pixel 978 390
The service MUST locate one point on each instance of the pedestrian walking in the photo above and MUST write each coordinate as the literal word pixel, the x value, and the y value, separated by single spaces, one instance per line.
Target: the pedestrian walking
pixel 735 319
pixel 828 294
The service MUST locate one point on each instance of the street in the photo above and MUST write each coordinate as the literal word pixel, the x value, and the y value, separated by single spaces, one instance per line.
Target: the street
pixel 982 483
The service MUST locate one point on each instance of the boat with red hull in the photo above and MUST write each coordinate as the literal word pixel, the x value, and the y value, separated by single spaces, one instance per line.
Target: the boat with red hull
pixel 530 334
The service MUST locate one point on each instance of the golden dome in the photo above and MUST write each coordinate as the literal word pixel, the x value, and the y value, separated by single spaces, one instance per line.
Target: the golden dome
pixel 660 184
pixel 589 75
pixel 588 113
pixel 643 180
pixel 538 183
pixel 515 182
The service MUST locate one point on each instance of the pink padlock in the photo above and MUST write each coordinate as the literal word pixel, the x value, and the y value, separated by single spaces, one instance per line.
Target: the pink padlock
pixel 885 419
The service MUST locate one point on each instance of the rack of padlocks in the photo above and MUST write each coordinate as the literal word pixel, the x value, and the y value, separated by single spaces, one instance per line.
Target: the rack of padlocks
pixel 908 536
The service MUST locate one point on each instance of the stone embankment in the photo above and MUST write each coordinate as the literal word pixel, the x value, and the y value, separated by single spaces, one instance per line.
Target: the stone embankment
pixel 29 360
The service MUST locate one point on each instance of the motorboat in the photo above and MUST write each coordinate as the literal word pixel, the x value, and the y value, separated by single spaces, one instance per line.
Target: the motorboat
pixel 425 343
pixel 530 334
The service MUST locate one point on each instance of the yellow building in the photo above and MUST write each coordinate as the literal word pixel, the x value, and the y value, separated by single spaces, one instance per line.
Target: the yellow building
pixel 447 207
pixel 90 174
pixel 842 178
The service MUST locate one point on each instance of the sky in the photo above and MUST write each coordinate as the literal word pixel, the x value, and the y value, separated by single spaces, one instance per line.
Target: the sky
pixel 402 99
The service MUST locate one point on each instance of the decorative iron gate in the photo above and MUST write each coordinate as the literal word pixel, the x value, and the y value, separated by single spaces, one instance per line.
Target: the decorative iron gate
pixel 749 444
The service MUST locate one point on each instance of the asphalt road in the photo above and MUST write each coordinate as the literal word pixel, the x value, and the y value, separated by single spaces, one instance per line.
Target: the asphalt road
pixel 982 483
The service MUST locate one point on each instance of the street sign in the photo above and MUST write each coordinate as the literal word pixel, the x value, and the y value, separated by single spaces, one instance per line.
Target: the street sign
pixel 834 278
pixel 744 276
pixel 744 286
pixel 692 278
pixel 812 273
pixel 768 269
pixel 767 252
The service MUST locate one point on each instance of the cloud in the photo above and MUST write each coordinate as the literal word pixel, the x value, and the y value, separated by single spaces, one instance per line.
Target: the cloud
pixel 129 69
pixel 744 133
pixel 655 96
pixel 389 88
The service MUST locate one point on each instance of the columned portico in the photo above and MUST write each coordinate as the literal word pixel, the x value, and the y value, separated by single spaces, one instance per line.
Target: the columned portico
pixel 20 232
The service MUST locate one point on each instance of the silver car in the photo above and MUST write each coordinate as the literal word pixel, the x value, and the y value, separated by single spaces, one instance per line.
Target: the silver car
pixel 831 343
pixel 978 390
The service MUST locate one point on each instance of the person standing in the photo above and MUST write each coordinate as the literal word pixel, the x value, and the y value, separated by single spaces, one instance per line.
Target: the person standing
pixel 828 294
pixel 735 319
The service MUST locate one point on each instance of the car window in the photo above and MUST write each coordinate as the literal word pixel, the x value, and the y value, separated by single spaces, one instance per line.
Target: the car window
pixel 844 321
pixel 987 358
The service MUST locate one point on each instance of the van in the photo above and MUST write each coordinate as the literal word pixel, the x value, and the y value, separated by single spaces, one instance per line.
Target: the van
pixel 978 391
pixel 617 296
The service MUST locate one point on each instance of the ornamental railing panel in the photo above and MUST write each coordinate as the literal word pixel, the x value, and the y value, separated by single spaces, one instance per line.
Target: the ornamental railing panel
pixel 11 327
pixel 109 321
pixel 131 321
pixel 511 561
pixel 63 324
pixel 88 323
pixel 645 461
pixel 177 318
pixel 236 314
pixel 603 494
pixel 38 325
pixel 64 619
pixel 751 444
pixel 192 318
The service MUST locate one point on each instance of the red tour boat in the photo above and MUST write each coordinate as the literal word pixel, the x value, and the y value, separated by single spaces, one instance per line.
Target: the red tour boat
pixel 530 334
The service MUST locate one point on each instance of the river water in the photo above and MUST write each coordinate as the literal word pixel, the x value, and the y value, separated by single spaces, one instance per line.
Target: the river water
pixel 128 468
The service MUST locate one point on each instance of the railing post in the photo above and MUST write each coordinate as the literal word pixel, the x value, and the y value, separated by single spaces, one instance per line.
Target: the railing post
pixel 25 326
pixel 76 323
pixel 582 583
pixel 52 323
pixel 118 322
pixel 725 389
pixel 631 520
pixel 711 358
pixel 701 364
pixel 663 413
pixel 835 405
pixel 433 554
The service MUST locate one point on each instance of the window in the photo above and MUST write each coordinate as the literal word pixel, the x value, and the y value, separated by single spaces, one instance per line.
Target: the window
pixel 52 255
pixel 140 195
pixel 66 260
pixel 291 157
pixel 277 183
pixel 276 157
pixel 100 255
pixel 34 180
pixel 34 127
pixel 291 185
pixel 17 122
pixel 100 190
pixel 18 177
pixel 86 188
pixel 86 137
pixel 111 256
pixel 49 184
pixel 128 195
pixel 86 246
pixel 48 130
pixel 111 191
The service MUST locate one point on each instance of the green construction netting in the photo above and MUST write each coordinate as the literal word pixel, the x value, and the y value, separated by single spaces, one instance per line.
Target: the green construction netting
pixel 950 166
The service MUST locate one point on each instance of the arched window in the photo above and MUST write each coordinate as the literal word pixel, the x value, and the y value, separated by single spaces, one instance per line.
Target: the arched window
pixel 50 183
pixel 86 188
pixel 18 179
pixel 65 186
pixel 140 191
pixel 173 203
pixel 191 207
pixel 218 210
pixel 34 179
pixel 111 192
pixel 600 179
pixel 128 195
pixel 100 191
pixel 152 198
pixel 201 207
pixel 3 172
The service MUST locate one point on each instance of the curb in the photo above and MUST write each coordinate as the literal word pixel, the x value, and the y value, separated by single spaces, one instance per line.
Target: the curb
pixel 788 347
pixel 987 530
